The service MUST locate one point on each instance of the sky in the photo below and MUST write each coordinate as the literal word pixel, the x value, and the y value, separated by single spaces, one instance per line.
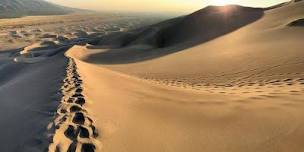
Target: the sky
pixel 183 6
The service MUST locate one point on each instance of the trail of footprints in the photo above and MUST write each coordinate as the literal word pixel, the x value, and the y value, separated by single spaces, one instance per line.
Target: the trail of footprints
pixel 72 123
pixel 245 84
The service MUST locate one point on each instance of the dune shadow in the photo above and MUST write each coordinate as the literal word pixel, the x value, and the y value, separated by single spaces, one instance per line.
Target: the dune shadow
pixel 297 23
pixel 173 35
pixel 30 92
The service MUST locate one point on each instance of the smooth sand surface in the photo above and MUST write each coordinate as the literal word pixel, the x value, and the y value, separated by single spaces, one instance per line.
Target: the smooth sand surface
pixel 155 88
pixel 29 96
pixel 142 116
pixel 238 92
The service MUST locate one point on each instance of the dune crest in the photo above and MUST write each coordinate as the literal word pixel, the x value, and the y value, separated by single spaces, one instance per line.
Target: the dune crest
pixel 176 34
pixel 224 94
pixel 75 130
pixel 222 79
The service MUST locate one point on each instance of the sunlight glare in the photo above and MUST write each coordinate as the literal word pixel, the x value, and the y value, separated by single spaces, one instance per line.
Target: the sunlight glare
pixel 223 2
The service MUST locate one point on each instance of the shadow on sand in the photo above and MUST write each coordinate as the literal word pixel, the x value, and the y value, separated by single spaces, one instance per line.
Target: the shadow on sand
pixel 173 35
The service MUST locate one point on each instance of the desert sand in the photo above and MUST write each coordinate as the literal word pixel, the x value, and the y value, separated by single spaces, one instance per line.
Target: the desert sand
pixel 232 81
pixel 34 82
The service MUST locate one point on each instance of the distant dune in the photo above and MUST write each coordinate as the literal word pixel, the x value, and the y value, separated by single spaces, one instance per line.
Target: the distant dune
pixel 18 8
pixel 200 26
pixel 205 39
pixel 207 24
pixel 178 33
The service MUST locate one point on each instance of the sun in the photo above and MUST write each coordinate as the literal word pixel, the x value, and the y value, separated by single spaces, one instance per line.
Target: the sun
pixel 222 2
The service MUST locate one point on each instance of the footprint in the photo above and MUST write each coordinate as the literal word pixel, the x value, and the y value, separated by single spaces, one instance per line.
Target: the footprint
pixel 71 107
pixel 77 95
pixel 95 132
pixel 88 147
pixel 84 132
pixel 77 81
pixel 77 85
pixel 80 101
pixel 78 90
pixel 62 111
pixel 75 108
pixel 75 77
pixel 70 100
pixel 287 80
pixel 72 147
pixel 71 132
pixel 79 118
pixel 57 149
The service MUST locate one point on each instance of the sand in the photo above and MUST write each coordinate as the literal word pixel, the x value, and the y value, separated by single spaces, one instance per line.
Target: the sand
pixel 28 100
pixel 36 79
pixel 117 83
pixel 238 91
pixel 143 116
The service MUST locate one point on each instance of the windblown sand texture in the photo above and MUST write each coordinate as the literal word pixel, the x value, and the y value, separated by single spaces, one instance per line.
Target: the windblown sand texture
pixel 231 81
pixel 35 81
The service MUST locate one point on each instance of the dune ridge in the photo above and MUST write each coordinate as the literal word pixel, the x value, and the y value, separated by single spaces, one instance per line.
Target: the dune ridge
pixel 74 128
pixel 116 83
pixel 240 91
pixel 20 8
pixel 174 35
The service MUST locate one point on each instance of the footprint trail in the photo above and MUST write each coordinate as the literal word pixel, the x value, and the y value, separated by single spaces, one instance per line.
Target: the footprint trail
pixel 74 129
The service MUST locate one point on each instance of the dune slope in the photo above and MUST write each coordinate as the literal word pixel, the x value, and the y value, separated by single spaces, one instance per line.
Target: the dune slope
pixel 268 46
pixel 41 102
pixel 19 8
pixel 29 96
pixel 176 34
pixel 241 91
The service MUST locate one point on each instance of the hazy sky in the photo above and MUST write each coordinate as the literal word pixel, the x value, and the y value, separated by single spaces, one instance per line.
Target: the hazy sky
pixel 158 5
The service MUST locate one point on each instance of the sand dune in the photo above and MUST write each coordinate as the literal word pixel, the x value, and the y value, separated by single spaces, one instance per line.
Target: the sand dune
pixel 235 90
pixel 19 8
pixel 28 101
pixel 299 22
pixel 75 130
pixel 245 54
pixel 36 80
pixel 232 81
pixel 208 23
pixel 161 118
